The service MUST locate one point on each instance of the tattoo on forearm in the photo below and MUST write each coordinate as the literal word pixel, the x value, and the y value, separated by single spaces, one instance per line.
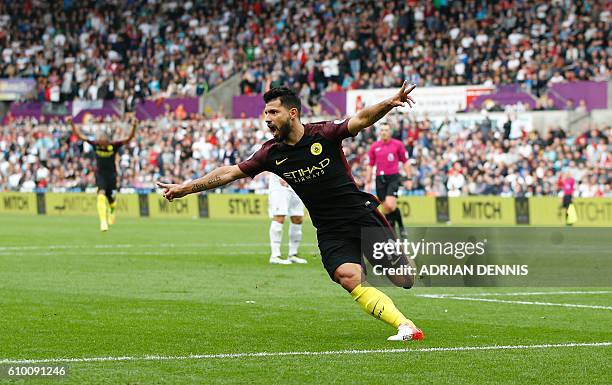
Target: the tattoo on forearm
pixel 198 187
pixel 214 180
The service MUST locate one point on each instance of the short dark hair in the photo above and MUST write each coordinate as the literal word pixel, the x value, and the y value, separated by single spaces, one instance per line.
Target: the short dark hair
pixel 288 98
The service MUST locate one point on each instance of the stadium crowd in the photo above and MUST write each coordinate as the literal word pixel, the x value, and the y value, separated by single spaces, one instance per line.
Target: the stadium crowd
pixel 138 49
pixel 446 159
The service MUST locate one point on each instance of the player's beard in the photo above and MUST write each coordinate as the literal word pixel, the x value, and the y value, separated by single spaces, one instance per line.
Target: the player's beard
pixel 283 131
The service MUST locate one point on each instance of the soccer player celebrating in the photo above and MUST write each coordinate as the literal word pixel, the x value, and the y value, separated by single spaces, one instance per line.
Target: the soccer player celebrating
pixel 386 154
pixel 283 202
pixel 310 158
pixel 106 169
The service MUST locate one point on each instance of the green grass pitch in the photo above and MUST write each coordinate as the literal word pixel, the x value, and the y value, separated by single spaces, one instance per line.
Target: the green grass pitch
pixel 175 288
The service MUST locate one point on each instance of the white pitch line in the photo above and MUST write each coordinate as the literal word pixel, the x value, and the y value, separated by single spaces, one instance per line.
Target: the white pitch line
pixel 306 353
pixel 142 253
pixel 515 293
pixel 519 302
pixel 139 246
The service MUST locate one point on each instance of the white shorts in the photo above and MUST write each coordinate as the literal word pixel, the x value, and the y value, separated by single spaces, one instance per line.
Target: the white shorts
pixel 285 202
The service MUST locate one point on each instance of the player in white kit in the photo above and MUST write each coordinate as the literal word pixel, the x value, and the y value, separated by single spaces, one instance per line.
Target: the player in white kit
pixel 283 202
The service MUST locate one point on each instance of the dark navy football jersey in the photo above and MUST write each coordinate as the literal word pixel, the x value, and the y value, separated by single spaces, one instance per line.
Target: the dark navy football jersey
pixel 317 170
pixel 105 157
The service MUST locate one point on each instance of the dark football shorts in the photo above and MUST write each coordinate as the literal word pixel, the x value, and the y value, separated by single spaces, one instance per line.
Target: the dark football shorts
pixel 106 182
pixel 387 185
pixel 567 201
pixel 344 244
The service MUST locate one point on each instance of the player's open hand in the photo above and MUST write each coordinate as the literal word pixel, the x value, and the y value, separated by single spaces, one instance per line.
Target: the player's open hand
pixel 403 97
pixel 171 191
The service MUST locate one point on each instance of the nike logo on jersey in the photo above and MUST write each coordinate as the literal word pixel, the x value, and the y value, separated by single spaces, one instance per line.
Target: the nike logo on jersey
pixel 280 161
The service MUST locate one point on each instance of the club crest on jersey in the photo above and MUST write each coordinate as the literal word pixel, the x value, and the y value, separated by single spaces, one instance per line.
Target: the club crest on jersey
pixel 316 149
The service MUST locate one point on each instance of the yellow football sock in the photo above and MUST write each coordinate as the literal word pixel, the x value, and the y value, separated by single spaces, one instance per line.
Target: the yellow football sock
pixel 111 212
pixel 572 216
pixel 378 305
pixel 102 207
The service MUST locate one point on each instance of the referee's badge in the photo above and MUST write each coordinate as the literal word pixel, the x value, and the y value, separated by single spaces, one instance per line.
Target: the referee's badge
pixel 316 149
pixel 390 157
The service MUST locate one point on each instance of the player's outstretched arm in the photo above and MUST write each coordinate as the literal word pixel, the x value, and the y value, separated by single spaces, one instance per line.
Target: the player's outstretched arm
pixel 75 130
pixel 370 115
pixel 218 177
pixel 132 117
